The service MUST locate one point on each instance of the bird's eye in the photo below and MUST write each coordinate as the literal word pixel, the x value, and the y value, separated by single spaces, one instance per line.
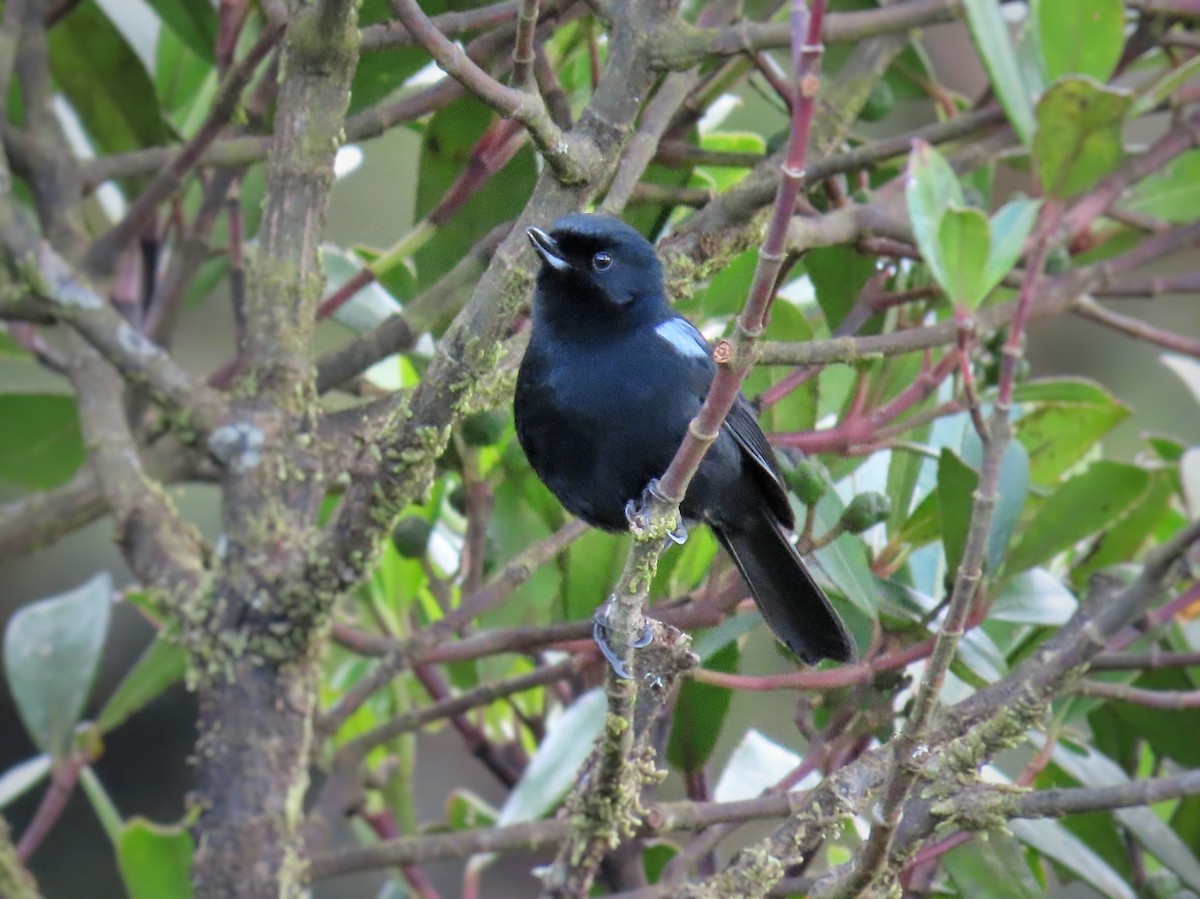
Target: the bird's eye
pixel 602 261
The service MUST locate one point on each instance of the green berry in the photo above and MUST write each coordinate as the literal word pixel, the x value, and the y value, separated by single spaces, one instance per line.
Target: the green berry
pixel 809 480
pixel 1058 260
pixel 865 510
pixel 879 102
pixel 410 536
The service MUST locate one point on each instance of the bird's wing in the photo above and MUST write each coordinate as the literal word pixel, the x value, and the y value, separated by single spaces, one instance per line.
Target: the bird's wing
pixel 743 426
pixel 685 339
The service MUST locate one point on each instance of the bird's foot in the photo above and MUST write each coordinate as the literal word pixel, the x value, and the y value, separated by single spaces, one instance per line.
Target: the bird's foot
pixel 601 633
pixel 637 513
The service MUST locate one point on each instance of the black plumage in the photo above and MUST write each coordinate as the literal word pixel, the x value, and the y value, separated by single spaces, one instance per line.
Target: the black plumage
pixel 609 382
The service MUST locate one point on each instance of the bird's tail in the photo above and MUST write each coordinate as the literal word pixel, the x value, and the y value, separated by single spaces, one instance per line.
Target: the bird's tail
pixel 795 608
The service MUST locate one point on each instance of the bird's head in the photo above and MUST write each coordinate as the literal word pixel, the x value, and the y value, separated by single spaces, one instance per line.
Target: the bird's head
pixel 596 265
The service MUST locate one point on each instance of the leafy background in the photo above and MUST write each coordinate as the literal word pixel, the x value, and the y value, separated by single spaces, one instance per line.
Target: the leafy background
pixel 131 88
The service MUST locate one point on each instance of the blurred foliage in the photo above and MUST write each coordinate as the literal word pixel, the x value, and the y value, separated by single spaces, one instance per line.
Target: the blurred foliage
pixel 889 517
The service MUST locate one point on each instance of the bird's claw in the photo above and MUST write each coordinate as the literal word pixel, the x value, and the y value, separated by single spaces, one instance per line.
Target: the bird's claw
pixel 601 632
pixel 635 513
pixel 680 534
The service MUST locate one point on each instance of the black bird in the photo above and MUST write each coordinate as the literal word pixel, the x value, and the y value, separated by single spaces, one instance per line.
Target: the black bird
pixel 609 382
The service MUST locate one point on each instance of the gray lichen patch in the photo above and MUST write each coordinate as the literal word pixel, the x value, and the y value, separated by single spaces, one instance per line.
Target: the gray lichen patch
pixel 238 446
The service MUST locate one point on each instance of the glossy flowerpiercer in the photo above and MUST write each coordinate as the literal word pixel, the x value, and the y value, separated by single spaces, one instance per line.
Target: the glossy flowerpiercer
pixel 609 382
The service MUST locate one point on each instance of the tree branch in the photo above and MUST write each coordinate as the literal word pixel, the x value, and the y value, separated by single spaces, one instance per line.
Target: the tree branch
pixel 254 642
pixel 1169 700
pixel 994 716
pixel 71 299
pixel 659 819
pixel 43 518
pixel 1086 307
pixel 691 45
pixel 563 153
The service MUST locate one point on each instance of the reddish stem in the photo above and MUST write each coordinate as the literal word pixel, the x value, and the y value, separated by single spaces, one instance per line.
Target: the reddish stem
pixel 54 802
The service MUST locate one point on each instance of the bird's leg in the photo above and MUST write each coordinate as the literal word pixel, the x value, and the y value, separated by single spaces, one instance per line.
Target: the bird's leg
pixel 640 514
pixel 601 632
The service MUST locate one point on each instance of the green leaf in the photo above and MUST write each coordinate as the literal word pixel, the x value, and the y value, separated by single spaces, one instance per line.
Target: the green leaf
pixel 992 868
pixel 1092 769
pixel 1168 732
pixel 1185 821
pixel 23 777
pixel 51 651
pixel 989 32
pixel 1083 505
pixel 1054 841
pixel 1067 418
pixel 155 861
pixel 1034 597
pixel 193 21
pixel 838 275
pixel 964 239
pixel 904 475
pixel 1029 58
pixel 1124 540
pixel 592 566
pixel 1159 90
pixel 700 714
pixel 516 523
pixel 655 858
pixel 40 443
pixel 931 189
pixel 682 569
pixel 845 560
pixel 727 289
pixel 161 666
pixel 186 84
pixel 1172 193
pixel 450 136
pixel 955 490
pixel 1080 37
pixel 923 525
pixel 1078 138
pixel 105 82
pixel 979 661
pixel 382 71
pixel 102 804
pixel 466 810
pixel 1010 226
pixel 553 767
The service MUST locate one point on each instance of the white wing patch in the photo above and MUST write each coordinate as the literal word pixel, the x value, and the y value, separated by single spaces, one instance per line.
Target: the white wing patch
pixel 683 338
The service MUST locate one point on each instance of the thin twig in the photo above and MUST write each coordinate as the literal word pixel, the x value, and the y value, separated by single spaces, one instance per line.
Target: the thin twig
pixel 1088 308
pixel 561 152
pixel 663 818
pixel 523 52
pixel 1168 700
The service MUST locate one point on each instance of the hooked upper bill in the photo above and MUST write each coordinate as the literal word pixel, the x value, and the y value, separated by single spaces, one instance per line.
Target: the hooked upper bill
pixel 547 247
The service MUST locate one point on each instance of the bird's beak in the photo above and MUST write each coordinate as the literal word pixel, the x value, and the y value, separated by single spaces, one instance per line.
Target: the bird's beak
pixel 547 247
